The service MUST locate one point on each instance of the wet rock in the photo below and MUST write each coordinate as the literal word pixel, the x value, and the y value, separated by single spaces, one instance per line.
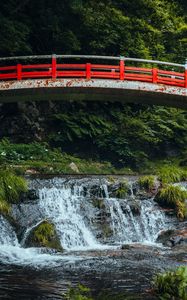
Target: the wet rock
pixel 172 238
pixel 125 247
pixel 132 205
pixel 30 195
pixel 165 236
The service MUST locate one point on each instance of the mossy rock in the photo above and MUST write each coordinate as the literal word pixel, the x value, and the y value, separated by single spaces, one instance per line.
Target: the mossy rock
pixel 120 190
pixel 44 235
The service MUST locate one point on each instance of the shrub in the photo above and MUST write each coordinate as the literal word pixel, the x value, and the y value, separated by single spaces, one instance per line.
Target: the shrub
pixel 173 197
pixel 172 285
pixel 147 182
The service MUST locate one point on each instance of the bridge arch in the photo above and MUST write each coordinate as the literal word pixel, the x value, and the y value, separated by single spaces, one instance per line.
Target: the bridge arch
pixel 117 81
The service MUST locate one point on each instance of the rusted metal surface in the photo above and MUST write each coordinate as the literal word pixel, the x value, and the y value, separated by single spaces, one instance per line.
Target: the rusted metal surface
pixel 93 89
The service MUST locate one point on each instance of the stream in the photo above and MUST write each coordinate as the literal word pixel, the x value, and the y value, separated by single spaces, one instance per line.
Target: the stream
pixel 110 243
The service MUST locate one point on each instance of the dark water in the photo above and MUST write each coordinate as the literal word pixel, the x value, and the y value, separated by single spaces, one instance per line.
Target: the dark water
pixel 112 272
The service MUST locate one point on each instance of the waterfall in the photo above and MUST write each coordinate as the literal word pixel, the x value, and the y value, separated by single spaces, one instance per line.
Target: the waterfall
pixel 71 209
pixel 63 207
pixel 72 206
pixel 128 227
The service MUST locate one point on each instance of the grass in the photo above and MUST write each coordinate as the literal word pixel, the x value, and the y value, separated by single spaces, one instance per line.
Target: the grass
pixel 171 285
pixel 173 197
pixel 168 174
pixel 11 187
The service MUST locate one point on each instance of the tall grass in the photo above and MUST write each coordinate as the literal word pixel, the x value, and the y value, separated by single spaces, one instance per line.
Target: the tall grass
pixel 173 197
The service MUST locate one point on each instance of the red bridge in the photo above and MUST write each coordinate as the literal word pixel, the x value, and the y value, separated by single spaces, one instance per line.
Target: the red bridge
pixel 70 77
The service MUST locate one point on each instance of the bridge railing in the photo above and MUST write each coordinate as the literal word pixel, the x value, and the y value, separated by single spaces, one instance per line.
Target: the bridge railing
pixel 118 71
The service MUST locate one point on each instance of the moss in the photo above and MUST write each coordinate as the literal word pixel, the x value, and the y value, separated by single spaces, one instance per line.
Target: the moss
pixel 147 182
pixel 171 285
pixel 44 235
pixel 173 197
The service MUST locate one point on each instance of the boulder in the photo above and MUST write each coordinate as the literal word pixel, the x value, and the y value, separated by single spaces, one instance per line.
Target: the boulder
pixel 44 235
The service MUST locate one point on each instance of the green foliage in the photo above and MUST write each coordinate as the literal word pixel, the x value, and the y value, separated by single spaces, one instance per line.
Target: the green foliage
pixel 44 235
pixel 173 197
pixel 147 182
pixel 79 293
pixel 11 186
pixel 147 29
pixel 125 135
pixel 171 285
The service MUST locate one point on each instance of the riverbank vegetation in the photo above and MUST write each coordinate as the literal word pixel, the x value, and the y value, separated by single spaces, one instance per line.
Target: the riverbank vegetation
pixel 172 284
pixel 33 158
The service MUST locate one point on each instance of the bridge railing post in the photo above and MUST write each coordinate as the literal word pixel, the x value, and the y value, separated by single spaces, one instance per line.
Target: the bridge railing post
pixel 88 71
pixel 122 69
pixel 54 69
pixel 154 75
pixel 185 74
pixel 19 71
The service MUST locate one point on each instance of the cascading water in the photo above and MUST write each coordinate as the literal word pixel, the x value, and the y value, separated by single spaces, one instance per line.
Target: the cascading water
pixel 142 227
pixel 7 235
pixel 70 206
pixel 63 207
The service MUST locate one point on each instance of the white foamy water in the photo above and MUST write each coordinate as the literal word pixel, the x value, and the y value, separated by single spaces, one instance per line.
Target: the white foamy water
pixel 141 227
pixel 63 206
